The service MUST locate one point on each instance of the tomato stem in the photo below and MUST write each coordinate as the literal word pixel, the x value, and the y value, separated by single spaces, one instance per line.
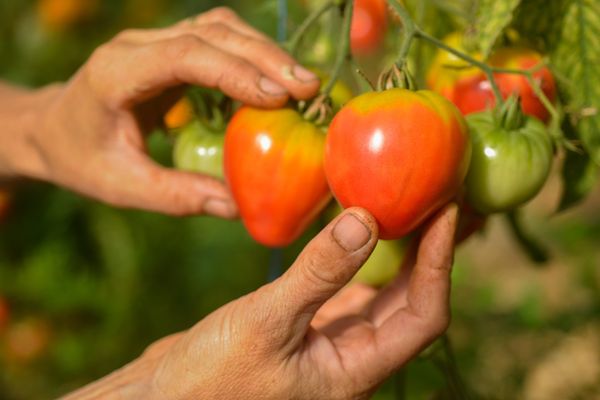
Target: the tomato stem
pixel 296 38
pixel 485 68
pixel 343 51
pixel 410 30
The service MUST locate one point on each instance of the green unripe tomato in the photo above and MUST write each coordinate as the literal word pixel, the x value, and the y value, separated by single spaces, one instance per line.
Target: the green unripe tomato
pixel 199 149
pixel 383 264
pixel 508 166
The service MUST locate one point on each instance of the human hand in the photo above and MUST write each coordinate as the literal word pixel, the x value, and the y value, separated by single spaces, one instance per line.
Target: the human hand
pixel 87 134
pixel 286 340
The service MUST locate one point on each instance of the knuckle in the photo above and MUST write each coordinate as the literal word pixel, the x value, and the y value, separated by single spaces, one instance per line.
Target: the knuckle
pixel 314 271
pixel 126 35
pixel 181 46
pixel 223 13
pixel 217 31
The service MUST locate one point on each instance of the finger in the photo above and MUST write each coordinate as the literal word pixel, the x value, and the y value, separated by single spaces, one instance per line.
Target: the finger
pixel 349 301
pixel 326 264
pixel 227 16
pixel 406 332
pixel 151 68
pixel 149 186
pixel 269 58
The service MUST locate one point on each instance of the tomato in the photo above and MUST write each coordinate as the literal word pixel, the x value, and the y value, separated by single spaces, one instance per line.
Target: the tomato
pixel 4 313
pixel 509 165
pixel 399 154
pixel 274 167
pixel 383 263
pixel 199 149
pixel 180 114
pixel 369 24
pixel 469 89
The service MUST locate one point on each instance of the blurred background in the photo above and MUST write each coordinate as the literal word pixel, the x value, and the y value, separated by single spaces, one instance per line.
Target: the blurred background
pixel 84 287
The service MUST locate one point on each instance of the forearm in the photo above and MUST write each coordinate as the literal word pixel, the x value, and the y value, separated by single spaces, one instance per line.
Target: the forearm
pixel 20 109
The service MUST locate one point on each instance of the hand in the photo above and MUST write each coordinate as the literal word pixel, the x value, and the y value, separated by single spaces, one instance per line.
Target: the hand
pixel 87 135
pixel 286 340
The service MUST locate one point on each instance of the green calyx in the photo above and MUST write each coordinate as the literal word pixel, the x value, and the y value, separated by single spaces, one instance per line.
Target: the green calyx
pixel 510 114
pixel 398 76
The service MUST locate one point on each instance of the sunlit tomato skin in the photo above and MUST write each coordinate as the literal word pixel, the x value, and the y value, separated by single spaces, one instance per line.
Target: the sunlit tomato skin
pixel 468 88
pixel 383 264
pixel 447 70
pixel 369 24
pixel 399 154
pixel 274 167
pixel 199 149
pixel 508 167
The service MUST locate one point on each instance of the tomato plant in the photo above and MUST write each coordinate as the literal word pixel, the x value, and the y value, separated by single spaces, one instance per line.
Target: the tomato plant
pixel 469 89
pixel 199 148
pixel 399 154
pixel 510 163
pixel 369 23
pixel 274 167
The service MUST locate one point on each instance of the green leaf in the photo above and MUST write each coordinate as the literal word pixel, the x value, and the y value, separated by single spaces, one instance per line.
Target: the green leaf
pixel 540 22
pixel 535 250
pixel 579 173
pixel 576 61
pixel 493 16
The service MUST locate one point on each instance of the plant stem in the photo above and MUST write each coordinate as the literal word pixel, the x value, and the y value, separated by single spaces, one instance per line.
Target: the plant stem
pixel 292 44
pixel 452 368
pixel 282 15
pixel 409 31
pixel 343 51
pixel 486 69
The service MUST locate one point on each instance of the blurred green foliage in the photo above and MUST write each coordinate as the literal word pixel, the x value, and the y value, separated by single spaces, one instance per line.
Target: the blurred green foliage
pixel 107 282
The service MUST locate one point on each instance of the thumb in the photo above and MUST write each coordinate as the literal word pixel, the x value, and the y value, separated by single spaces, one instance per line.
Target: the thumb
pixel 325 265
pixel 147 185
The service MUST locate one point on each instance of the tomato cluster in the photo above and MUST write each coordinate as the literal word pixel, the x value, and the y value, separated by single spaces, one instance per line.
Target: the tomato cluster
pixel 400 154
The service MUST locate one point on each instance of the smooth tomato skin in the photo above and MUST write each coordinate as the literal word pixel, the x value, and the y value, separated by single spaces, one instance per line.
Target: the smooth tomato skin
pixel 399 154
pixel 369 24
pixel 199 149
pixel 475 94
pixel 274 167
pixel 508 168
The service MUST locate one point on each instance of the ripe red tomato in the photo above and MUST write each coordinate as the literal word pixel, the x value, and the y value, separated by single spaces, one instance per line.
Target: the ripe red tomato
pixel 399 154
pixel 469 89
pixel 274 167
pixel 369 23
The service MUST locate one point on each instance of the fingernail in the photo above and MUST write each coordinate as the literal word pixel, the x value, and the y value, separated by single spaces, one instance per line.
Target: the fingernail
pixel 304 75
pixel 219 207
pixel 351 233
pixel 270 87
